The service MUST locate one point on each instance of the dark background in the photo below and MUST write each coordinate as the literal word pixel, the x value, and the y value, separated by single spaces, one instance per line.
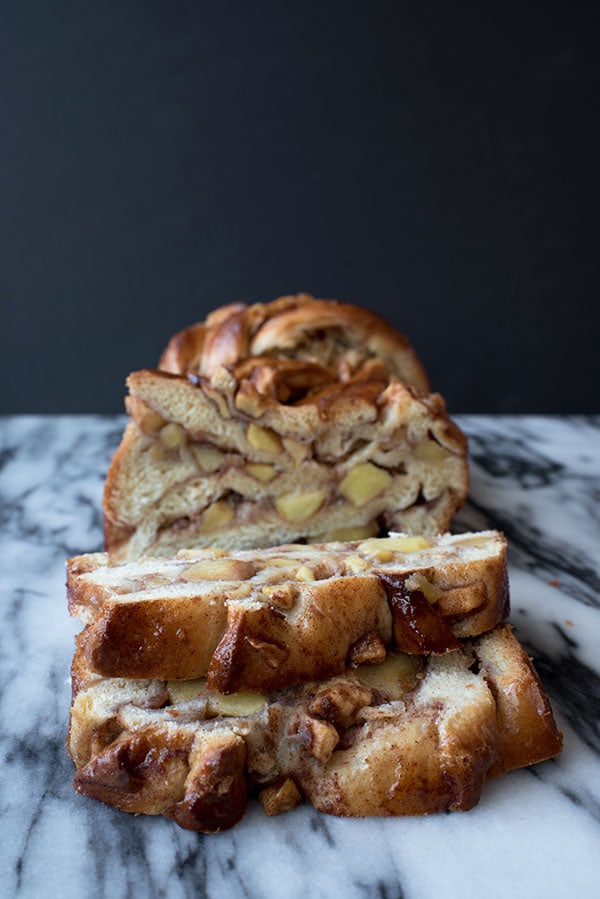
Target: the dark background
pixel 437 162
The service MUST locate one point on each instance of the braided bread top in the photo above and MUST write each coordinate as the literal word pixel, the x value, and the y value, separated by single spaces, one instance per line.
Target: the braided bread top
pixel 323 341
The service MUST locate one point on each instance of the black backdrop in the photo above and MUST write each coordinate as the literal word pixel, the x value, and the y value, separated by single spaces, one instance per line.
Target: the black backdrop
pixel 435 161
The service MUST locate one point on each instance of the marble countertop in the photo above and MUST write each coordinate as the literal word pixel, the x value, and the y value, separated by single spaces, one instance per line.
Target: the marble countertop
pixel 535 833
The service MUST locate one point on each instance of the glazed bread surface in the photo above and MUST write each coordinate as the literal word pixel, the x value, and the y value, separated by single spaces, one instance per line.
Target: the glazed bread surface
pixel 271 618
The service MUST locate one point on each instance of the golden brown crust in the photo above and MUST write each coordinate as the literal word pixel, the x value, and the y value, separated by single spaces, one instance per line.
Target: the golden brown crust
pixel 297 327
pixel 115 530
pixel 140 773
pixel 138 639
pixel 264 649
pixel 297 614
pixel 197 781
pixel 525 721
pixel 216 793
pixel 348 749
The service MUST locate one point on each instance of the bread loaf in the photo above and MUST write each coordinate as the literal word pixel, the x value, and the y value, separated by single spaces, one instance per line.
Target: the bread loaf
pixel 367 674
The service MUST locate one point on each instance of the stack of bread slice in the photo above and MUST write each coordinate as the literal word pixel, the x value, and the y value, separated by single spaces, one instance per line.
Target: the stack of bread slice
pixel 369 674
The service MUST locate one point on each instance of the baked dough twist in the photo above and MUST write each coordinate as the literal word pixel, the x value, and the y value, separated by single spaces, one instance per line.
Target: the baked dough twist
pixel 335 340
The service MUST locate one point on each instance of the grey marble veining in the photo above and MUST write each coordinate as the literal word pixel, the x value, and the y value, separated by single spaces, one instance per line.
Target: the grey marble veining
pixel 535 833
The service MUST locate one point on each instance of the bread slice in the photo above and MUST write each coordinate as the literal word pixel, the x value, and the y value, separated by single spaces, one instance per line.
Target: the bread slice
pixel 297 420
pixel 276 617
pixel 412 735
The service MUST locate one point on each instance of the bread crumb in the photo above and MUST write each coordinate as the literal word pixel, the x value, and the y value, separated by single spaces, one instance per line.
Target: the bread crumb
pixel 554 582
